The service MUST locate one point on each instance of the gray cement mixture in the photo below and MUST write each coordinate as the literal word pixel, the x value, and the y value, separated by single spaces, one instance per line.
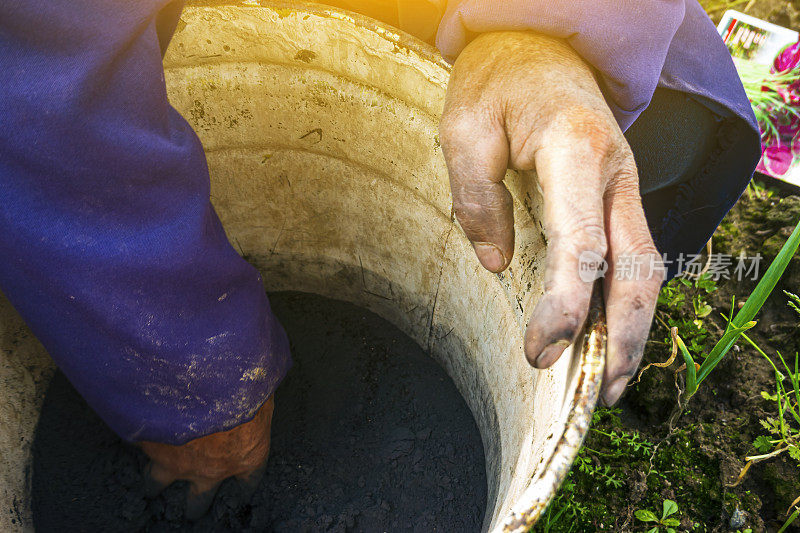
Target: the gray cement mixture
pixel 369 434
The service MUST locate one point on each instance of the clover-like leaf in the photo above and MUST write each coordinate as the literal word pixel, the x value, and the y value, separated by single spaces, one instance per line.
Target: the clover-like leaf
pixel 703 310
pixel 768 396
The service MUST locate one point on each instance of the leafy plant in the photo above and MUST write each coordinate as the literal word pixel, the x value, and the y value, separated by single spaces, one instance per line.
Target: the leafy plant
pixel 669 524
pixel 794 301
pixel 757 189
pixel 590 461
pixel 599 472
pixel 563 506
pixel 673 301
pixel 625 443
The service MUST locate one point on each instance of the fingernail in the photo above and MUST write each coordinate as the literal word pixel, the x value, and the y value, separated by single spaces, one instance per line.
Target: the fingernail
pixel 614 391
pixel 490 256
pixel 551 353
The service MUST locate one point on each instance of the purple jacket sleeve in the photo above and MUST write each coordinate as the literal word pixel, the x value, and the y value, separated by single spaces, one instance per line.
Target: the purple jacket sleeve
pixel 110 247
pixel 636 46
pixel 626 41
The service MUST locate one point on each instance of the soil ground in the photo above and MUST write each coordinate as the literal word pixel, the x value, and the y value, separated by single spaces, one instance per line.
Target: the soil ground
pixel 632 461
pixel 369 434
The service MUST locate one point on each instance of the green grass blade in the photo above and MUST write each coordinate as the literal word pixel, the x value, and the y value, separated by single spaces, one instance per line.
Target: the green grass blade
pixel 770 279
pixel 790 520
pixel 752 305
pixel 793 379
pixel 728 319
pixel 722 347
pixel 759 350
pixel 796 380
pixel 691 371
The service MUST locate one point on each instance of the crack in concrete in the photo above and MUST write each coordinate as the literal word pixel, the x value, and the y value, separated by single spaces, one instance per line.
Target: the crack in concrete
pixel 439 280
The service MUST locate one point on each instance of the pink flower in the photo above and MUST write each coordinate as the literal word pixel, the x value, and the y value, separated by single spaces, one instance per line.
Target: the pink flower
pixel 776 159
pixel 779 122
pixel 787 59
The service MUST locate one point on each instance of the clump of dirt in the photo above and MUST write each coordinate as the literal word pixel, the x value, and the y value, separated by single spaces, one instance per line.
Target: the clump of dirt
pixel 759 224
pixel 369 434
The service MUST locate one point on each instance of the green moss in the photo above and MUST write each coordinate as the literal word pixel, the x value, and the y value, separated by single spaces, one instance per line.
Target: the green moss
pixel 783 487
pixel 680 470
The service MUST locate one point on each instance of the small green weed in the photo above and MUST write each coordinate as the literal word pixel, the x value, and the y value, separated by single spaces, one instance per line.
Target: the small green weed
pixel 565 513
pixel 794 302
pixel 599 472
pixel 757 189
pixel 683 304
pixel 564 509
pixel 669 524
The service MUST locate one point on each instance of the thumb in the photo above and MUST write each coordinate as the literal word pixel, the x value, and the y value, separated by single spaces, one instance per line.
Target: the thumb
pixel 476 151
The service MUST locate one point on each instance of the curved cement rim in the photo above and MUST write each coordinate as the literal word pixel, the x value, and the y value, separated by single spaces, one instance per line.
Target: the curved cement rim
pixel 25 372
pixel 541 490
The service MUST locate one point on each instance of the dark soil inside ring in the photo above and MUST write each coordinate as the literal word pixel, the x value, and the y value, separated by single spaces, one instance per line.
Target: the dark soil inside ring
pixel 369 434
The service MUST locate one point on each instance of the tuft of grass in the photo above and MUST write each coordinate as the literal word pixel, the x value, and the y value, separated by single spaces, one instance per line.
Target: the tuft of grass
pixel 566 513
pixel 740 323
pixel 782 432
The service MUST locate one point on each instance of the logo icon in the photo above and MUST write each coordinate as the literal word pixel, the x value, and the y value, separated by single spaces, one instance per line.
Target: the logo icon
pixel 591 266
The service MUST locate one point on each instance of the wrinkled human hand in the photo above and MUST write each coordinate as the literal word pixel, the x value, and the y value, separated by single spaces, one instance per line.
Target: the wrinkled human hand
pixel 525 101
pixel 208 461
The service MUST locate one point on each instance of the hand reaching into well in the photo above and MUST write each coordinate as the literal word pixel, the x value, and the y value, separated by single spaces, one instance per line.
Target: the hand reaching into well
pixel 522 100
pixel 208 461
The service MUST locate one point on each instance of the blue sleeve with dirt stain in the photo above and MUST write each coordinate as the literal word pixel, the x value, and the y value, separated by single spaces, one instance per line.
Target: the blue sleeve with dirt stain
pixel 110 247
